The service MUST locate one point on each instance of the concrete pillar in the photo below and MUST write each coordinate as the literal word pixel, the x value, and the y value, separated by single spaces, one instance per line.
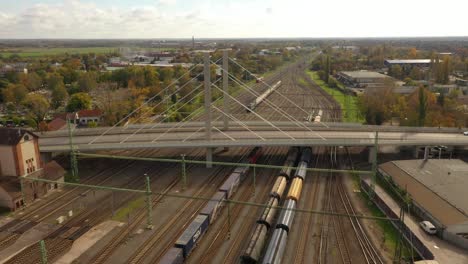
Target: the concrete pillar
pixel 426 153
pixel 416 152
pixel 225 89
pixel 208 117
pixel 209 157
pixel 371 154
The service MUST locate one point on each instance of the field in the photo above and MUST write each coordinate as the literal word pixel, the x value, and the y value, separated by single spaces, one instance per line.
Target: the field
pixel 349 108
pixel 38 52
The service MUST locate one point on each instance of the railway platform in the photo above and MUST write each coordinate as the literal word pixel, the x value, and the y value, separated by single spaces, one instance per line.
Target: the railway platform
pixel 443 251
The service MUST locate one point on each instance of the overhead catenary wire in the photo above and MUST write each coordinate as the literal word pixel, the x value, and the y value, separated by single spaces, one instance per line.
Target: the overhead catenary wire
pixel 256 114
pixel 275 91
pixel 165 111
pixel 284 113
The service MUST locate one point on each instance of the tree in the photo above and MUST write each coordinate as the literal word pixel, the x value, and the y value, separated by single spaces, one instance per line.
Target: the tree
pixel 413 53
pixel 422 106
pixel 79 101
pixel 87 82
pixel 54 81
pixel 32 81
pixel 37 106
pixel 59 95
pixel 396 71
pixel 14 93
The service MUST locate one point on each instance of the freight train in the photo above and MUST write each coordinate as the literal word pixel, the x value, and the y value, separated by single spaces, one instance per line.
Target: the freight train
pixel 189 239
pixel 266 221
pixel 277 245
pixel 262 97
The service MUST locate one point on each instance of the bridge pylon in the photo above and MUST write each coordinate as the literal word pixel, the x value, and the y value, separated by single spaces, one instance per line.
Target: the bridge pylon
pixel 208 115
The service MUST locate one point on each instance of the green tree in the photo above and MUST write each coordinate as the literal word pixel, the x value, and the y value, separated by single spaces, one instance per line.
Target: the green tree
pixel 37 106
pixel 54 80
pixel 14 93
pixel 87 82
pixel 422 106
pixel 396 71
pixel 32 81
pixel 59 95
pixel 79 101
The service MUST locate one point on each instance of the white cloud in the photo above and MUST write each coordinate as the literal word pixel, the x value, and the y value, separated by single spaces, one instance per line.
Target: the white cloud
pixel 260 18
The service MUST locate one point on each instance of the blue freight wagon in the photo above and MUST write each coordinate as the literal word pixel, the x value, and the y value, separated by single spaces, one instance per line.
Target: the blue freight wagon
pixel 188 240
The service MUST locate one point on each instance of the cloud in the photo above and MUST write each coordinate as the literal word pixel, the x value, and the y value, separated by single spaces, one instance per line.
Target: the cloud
pixel 211 18
pixel 166 2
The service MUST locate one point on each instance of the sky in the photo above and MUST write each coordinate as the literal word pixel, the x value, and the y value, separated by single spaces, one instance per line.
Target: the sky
pixel 231 18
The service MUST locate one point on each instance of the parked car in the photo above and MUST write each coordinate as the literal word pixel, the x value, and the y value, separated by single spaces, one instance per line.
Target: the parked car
pixel 428 227
pixel 465 133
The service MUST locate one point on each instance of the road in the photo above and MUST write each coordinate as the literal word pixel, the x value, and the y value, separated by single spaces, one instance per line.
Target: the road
pixel 255 138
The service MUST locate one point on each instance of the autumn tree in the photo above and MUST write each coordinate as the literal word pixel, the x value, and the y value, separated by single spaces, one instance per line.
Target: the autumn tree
pixel 87 82
pixel 422 106
pixel 79 101
pixel 14 93
pixel 37 106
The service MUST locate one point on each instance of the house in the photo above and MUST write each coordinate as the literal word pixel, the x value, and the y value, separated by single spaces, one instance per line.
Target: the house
pixel 57 124
pixel 80 118
pixel 19 67
pixel 20 157
pixel 87 116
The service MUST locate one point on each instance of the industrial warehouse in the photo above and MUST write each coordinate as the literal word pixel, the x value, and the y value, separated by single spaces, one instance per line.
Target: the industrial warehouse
pixel 437 188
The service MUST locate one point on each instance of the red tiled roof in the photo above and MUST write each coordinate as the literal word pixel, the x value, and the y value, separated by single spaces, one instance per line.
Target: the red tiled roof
pixel 53 171
pixel 90 113
pixel 56 124
pixel 66 116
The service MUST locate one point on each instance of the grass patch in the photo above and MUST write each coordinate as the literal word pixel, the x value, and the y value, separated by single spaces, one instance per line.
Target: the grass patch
pixel 121 214
pixel 41 52
pixel 348 103
pixel 390 233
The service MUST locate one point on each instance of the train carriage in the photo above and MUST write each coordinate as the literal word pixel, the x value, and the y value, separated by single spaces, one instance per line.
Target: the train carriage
pixel 269 213
pixel 213 207
pixel 173 256
pixel 231 184
pixel 279 187
pixel 275 249
pixel 189 238
pixel 287 215
pixel 254 250
pixel 301 171
pixel 295 189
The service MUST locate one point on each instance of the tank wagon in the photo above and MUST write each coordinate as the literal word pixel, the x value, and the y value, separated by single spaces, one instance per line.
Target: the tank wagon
pixel 266 223
pixel 277 244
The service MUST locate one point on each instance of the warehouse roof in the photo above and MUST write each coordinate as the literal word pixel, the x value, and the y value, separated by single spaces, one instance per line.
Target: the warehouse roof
pixel 413 61
pixel 364 74
pixel 438 185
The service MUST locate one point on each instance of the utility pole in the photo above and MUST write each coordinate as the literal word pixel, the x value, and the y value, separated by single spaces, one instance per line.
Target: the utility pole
pixel 184 173
pixel 149 204
pixel 208 117
pixel 226 88
pixel 73 162
pixel 374 165
pixel 43 252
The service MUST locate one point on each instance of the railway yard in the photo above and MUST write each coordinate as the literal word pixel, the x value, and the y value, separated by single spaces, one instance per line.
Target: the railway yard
pixel 214 231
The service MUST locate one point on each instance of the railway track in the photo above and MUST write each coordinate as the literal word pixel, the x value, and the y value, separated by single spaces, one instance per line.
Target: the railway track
pixel 195 207
pixel 105 253
pixel 236 240
pixel 310 201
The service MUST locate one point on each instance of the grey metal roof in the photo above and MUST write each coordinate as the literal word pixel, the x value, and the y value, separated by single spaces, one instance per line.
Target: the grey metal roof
pixel 413 61
pixel 446 179
pixel 364 74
